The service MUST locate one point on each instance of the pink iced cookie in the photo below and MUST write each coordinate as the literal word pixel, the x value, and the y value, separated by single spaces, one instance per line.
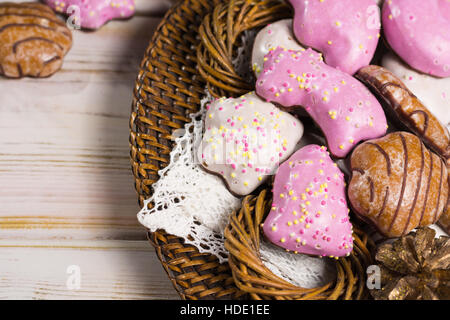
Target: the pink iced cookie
pixel 245 140
pixel 343 108
pixel 419 32
pixel 309 210
pixel 345 31
pixel 95 13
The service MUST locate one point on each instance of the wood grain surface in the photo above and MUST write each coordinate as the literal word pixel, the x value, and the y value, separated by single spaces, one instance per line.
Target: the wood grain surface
pixel 66 188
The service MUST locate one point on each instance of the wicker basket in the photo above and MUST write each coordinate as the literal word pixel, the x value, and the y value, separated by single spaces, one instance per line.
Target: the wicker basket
pixel 194 46
pixel 169 88
pixel 243 238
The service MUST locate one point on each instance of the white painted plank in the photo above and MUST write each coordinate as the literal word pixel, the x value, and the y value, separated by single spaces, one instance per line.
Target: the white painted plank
pixel 108 269
pixel 153 7
pixel 66 187
pixel 64 153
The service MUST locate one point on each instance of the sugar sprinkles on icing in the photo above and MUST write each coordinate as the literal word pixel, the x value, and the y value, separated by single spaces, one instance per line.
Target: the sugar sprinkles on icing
pixel 273 35
pixel 339 109
pixel 317 234
pixel 253 139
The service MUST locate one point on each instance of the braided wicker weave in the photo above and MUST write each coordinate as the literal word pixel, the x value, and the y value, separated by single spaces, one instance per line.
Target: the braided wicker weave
pixel 220 39
pixel 169 88
pixel 243 242
pixel 193 48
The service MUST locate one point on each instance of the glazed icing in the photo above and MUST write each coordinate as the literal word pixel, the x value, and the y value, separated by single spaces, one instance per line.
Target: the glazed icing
pixel 245 139
pixel 418 31
pixel 343 108
pixel 345 31
pixel 433 92
pixel 278 34
pixel 309 211
pixel 95 13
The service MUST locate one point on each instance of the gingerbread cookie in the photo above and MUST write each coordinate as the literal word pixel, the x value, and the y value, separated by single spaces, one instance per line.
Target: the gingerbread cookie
pixel 418 31
pixel 405 106
pixel 33 41
pixel 397 184
pixel 95 13
pixel 345 31
pixel 245 139
pixel 278 34
pixel 343 108
pixel 433 92
pixel 309 211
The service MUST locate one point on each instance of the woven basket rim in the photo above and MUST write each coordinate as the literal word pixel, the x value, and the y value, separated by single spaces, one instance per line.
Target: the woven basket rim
pixel 153 117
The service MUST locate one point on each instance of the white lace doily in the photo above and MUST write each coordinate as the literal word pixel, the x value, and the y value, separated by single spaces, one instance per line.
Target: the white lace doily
pixel 299 269
pixel 187 201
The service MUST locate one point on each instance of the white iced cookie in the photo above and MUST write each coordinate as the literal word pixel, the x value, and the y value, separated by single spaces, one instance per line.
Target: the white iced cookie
pixel 245 140
pixel 278 34
pixel 433 92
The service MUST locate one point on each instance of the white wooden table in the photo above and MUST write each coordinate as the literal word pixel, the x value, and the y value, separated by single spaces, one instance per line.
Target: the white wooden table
pixel 67 201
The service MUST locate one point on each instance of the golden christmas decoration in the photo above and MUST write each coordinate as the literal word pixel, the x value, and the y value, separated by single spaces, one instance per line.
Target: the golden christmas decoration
pixel 414 267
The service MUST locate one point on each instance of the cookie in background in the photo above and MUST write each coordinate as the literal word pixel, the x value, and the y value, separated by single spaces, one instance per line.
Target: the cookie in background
pixel 433 92
pixel 406 109
pixel 93 14
pixel 345 31
pixel 33 41
pixel 418 31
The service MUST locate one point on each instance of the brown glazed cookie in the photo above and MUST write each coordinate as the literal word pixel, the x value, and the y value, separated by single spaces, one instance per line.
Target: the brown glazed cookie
pixel 397 184
pixel 33 41
pixel 406 108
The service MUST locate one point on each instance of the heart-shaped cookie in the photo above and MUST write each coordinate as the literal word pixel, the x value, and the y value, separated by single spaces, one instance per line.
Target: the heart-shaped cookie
pixel 309 211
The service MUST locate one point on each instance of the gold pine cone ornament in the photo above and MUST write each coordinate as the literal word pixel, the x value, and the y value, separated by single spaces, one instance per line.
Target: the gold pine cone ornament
pixel 414 267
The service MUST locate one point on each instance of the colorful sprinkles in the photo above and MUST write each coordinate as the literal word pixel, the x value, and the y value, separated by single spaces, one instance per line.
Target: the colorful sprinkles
pixel 309 210
pixel 343 107
pixel 245 139
pixel 272 36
